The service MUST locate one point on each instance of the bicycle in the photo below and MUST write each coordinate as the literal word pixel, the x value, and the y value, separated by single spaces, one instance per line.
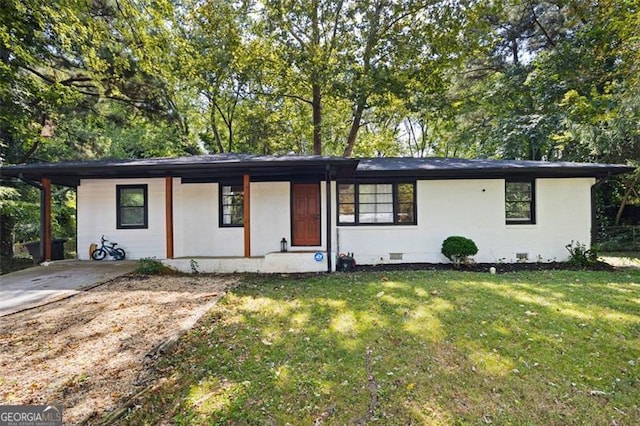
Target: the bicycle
pixel 101 252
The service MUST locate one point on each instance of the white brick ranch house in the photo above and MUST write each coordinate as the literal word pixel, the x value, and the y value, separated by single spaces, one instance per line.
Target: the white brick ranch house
pixel 232 212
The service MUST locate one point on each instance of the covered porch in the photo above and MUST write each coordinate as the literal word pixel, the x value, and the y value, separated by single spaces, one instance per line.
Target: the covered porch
pixel 176 230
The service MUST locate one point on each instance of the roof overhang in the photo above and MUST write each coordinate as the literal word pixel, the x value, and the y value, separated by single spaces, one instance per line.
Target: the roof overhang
pixel 455 168
pixel 202 168
pixel 228 167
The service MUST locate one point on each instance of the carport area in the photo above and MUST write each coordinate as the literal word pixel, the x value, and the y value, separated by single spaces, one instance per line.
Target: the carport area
pixel 42 284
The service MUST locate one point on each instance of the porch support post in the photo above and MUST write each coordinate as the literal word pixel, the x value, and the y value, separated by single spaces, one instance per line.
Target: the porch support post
pixel 247 215
pixel 46 220
pixel 328 202
pixel 168 207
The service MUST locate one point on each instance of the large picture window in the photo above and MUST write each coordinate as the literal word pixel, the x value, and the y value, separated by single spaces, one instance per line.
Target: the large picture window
pixel 132 207
pixel 231 205
pixel 519 202
pixel 376 203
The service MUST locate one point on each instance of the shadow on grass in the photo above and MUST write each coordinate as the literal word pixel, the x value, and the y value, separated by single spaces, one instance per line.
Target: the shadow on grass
pixel 411 347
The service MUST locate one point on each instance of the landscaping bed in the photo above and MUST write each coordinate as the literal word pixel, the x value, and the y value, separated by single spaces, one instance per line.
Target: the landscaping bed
pixel 485 267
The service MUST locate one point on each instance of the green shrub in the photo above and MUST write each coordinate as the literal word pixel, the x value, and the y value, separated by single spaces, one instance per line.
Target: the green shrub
pixel 458 249
pixel 580 255
pixel 11 264
pixel 151 266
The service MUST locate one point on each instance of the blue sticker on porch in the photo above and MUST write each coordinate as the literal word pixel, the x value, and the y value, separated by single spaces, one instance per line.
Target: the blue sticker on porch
pixel 319 257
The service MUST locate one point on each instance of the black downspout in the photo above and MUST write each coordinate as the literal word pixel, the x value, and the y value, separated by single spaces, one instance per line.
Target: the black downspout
pixel 39 186
pixel 329 232
pixel 594 211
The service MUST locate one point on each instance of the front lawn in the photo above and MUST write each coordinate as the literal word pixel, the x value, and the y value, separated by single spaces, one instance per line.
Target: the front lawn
pixel 558 347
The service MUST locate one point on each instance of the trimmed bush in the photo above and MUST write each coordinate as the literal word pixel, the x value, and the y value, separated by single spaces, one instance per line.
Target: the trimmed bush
pixel 458 249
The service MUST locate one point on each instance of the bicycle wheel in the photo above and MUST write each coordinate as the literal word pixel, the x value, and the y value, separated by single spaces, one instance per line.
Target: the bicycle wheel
pixel 119 254
pixel 99 254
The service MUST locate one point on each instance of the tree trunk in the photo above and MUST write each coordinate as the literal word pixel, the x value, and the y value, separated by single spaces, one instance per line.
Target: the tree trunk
pixel 216 134
pixel 631 189
pixel 362 93
pixel 315 83
pixel 353 132
pixel 317 119
pixel 7 223
pixel 514 51
pixel 230 133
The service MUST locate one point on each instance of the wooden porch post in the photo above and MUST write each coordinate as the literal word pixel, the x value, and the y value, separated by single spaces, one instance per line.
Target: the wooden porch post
pixel 247 215
pixel 46 229
pixel 168 207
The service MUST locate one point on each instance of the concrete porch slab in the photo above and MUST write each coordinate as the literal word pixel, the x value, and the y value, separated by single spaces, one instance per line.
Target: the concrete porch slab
pixel 276 262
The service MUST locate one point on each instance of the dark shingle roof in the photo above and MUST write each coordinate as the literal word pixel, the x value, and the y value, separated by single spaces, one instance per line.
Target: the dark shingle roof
pixel 218 160
pixel 203 167
pixel 227 166
pixel 463 168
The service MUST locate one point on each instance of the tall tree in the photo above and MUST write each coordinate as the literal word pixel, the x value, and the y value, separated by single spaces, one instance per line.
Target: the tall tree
pixel 304 37
pixel 73 71
pixel 68 58
pixel 365 52
pixel 549 71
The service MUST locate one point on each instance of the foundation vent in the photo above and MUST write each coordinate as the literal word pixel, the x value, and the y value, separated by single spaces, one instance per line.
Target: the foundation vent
pixel 395 256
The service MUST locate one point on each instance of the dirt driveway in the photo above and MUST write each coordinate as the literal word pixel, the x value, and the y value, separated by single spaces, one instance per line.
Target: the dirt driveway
pixel 87 352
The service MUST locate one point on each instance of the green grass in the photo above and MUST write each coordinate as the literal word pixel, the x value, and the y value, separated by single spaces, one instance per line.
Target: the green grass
pixel 10 264
pixel 534 348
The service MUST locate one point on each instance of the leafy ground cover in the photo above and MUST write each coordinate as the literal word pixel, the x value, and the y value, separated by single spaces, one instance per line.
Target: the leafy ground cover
pixel 10 264
pixel 405 347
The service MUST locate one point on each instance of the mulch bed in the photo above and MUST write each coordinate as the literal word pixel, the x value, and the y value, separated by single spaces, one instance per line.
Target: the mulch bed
pixel 484 267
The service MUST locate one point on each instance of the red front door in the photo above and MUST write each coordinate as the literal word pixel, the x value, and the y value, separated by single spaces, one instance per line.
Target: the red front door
pixel 305 214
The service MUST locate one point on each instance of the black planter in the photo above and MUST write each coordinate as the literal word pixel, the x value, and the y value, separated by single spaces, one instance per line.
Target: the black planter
pixel 346 264
pixel 57 250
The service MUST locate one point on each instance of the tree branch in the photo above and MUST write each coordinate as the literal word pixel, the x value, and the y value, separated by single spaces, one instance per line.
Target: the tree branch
pixel 296 97
pixel 332 41
pixel 537 22
pixel 44 77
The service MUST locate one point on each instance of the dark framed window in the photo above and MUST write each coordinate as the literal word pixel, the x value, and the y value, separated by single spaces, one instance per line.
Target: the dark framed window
pixel 377 203
pixel 132 207
pixel 231 205
pixel 519 202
